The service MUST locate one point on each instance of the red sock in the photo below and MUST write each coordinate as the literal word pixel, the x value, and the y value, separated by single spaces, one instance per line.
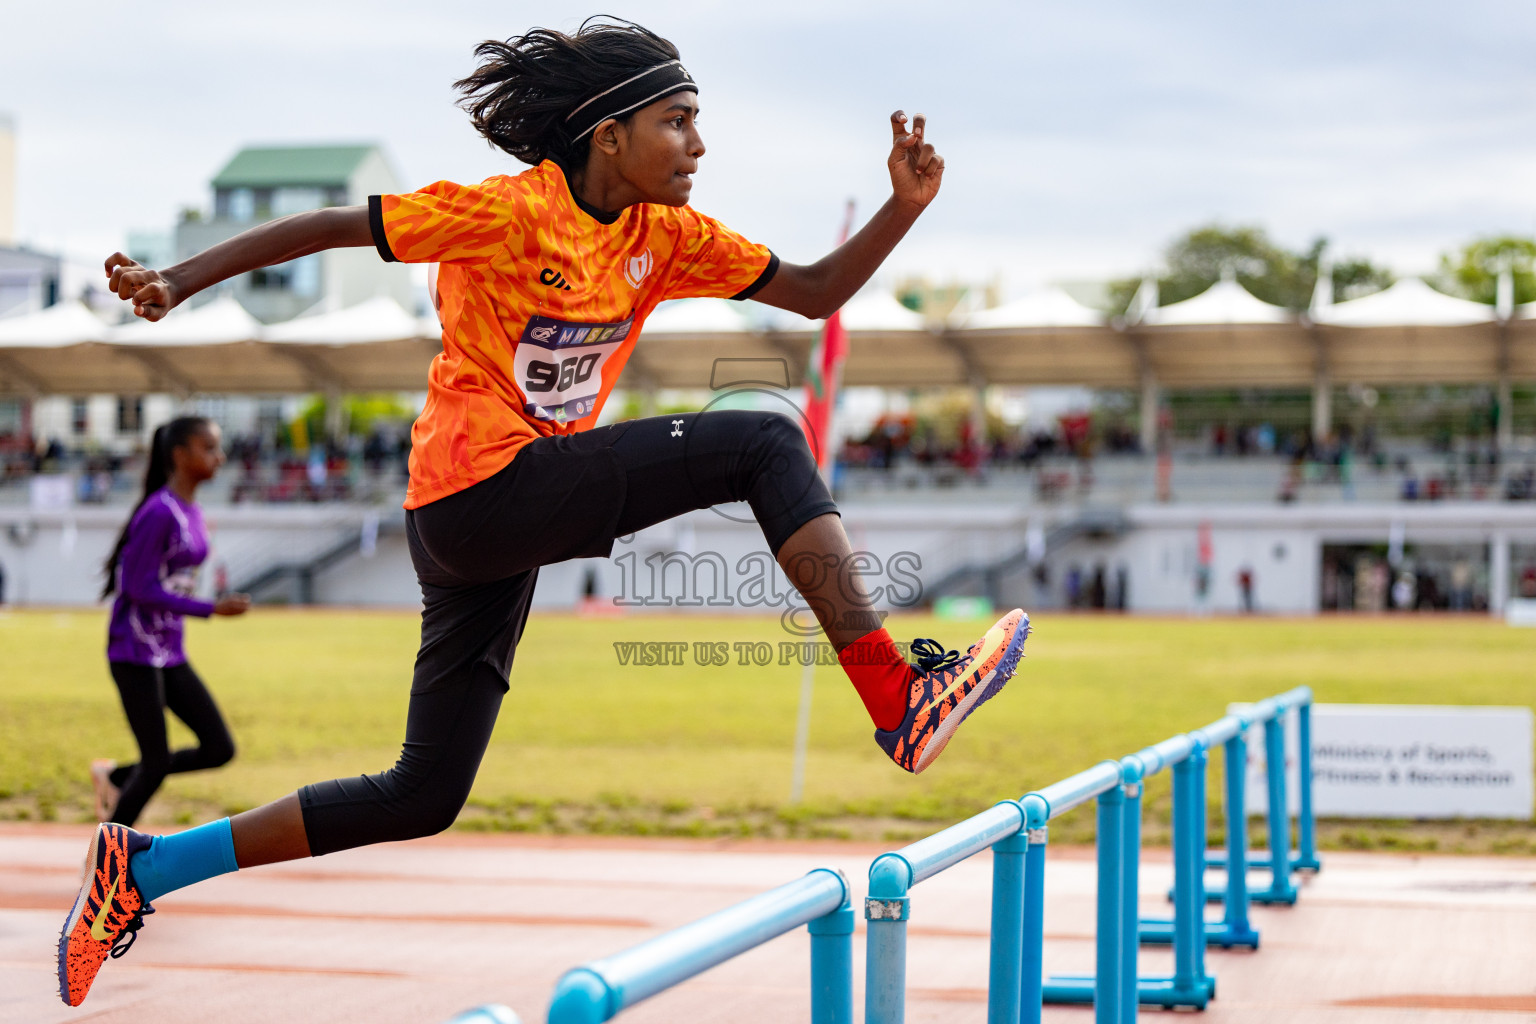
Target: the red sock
pixel 881 675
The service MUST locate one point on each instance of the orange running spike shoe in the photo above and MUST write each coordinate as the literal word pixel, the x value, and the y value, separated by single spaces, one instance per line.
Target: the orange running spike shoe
pixel 109 907
pixel 947 687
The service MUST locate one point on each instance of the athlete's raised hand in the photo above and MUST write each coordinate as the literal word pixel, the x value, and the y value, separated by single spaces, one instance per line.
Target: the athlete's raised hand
pixel 232 604
pixel 916 169
pixel 151 293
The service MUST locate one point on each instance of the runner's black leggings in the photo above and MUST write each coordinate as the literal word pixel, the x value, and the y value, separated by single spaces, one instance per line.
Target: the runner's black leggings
pixel 147 692
pixel 477 553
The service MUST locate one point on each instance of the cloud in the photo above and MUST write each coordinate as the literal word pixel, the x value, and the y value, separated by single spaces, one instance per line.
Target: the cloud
pixel 1079 138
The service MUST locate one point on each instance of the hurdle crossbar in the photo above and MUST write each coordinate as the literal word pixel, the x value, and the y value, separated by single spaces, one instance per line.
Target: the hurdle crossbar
pixel 600 989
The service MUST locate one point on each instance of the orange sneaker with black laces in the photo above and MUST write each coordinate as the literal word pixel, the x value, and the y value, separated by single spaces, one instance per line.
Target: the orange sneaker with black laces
pixel 108 909
pixel 948 687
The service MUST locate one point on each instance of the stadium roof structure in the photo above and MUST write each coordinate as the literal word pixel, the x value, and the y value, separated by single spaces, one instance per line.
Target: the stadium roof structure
pixel 1225 337
pixel 1047 338
pixel 693 343
pixel 296 166
pixel 1411 334
pixel 889 344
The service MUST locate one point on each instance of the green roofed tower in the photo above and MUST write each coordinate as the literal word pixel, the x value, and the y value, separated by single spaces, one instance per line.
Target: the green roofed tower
pixel 260 183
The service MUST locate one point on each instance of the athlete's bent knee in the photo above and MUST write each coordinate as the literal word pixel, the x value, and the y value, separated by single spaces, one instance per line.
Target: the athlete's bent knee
pixel 431 809
pixel 785 442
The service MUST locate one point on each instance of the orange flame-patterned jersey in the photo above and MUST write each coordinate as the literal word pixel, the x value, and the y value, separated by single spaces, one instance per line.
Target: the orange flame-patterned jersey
pixel 542 300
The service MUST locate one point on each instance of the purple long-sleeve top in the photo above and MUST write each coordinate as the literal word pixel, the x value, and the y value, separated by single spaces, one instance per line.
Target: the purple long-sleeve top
pixel 156 574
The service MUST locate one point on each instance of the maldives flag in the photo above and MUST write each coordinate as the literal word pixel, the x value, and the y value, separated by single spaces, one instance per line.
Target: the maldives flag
pixel 823 376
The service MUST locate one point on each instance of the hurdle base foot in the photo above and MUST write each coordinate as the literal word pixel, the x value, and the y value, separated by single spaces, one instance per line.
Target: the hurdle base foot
pixel 1287 896
pixel 1159 932
pixel 1260 862
pixel 1076 989
pixel 1170 993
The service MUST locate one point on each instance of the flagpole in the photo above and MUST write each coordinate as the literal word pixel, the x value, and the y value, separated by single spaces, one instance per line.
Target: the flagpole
pixel 824 457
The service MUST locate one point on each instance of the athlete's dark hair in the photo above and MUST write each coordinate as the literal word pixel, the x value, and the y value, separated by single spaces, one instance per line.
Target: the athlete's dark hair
pixel 168 437
pixel 524 88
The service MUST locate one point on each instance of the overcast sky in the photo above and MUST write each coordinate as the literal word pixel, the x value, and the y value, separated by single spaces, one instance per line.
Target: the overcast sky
pixel 1079 138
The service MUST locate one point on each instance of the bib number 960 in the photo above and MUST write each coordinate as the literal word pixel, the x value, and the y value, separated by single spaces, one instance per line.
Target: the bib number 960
pixel 560 376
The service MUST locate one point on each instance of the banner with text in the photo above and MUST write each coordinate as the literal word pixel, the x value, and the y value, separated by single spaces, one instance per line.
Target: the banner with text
pixel 1405 761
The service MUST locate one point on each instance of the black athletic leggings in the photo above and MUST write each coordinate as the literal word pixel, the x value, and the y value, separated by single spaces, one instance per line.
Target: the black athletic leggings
pixel 147 692
pixel 477 553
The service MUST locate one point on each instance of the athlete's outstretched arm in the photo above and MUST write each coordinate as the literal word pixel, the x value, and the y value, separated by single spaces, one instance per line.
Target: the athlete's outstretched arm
pixel 155 293
pixel 820 289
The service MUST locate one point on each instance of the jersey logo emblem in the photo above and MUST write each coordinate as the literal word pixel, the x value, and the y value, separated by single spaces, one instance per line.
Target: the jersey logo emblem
pixel 636 267
pixel 677 428
pixel 553 278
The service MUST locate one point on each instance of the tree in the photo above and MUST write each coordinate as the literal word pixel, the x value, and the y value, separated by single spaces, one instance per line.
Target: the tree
pixel 1355 278
pixel 1198 259
pixel 1475 270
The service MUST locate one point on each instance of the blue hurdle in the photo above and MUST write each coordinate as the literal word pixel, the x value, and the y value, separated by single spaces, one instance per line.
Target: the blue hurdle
pixel 1234 928
pixel 1282 888
pixel 596 991
pixel 1017 832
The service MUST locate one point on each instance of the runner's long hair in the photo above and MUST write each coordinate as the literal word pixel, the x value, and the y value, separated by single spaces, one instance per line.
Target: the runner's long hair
pixel 168 437
pixel 524 88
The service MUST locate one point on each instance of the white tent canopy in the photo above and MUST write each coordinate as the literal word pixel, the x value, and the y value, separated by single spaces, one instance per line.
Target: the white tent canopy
pixel 376 320
pixel 1050 307
pixel 220 322
pixel 1408 303
pixel 696 316
pixel 60 326
pixel 1224 303
pixel 879 312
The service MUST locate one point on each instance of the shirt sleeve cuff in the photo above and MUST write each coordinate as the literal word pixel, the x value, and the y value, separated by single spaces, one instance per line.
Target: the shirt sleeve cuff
pixel 376 225
pixel 762 279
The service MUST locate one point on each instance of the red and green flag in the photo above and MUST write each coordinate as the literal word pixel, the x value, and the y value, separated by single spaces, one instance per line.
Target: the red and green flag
pixel 824 374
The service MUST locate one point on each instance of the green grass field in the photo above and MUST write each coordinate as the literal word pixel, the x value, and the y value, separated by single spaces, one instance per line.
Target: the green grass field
pixel 587 744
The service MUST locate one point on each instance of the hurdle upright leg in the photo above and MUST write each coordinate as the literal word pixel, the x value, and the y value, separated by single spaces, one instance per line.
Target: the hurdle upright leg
pixel 1130 882
pixel 1103 987
pixel 1032 953
pixel 1187 931
pixel 1004 982
pixel 832 966
pixel 1280 888
pixel 1306 825
pixel 1235 929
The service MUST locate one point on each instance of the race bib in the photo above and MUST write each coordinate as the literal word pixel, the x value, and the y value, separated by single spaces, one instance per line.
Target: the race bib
pixel 182 581
pixel 559 366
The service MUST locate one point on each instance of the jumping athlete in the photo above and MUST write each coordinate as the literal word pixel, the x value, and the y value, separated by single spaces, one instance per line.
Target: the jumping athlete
pixel 545 281
pixel 152 570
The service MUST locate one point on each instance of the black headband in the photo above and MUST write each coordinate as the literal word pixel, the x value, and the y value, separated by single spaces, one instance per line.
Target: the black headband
pixel 629 96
